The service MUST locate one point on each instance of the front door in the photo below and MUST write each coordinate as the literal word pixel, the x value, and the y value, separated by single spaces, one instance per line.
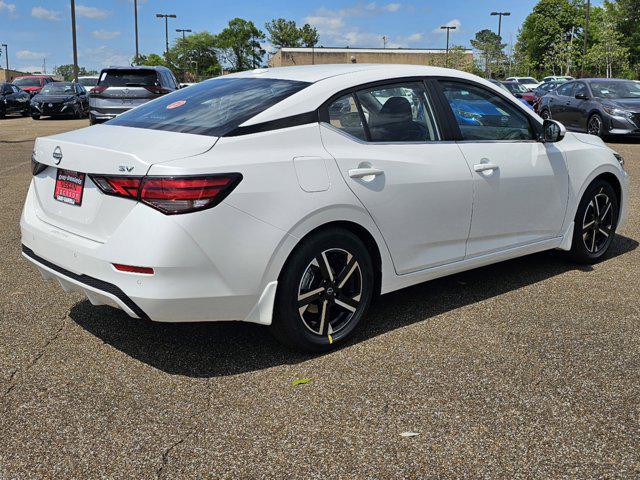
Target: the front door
pixel 417 189
pixel 521 185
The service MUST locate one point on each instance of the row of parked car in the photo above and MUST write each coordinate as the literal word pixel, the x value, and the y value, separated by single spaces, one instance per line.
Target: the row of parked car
pixel 599 106
pixel 114 91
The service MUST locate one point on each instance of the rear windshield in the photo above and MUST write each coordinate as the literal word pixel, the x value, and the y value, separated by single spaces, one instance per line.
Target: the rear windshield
pixel 128 78
pixel 27 82
pixel 214 107
pixel 88 81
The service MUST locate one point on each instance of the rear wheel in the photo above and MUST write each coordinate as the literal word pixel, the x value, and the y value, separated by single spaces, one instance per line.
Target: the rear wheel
pixel 35 117
pixel 26 112
pixel 323 292
pixel 595 223
pixel 545 114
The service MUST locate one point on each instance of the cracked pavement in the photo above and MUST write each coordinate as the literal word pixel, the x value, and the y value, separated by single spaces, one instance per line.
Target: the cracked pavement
pixel 525 369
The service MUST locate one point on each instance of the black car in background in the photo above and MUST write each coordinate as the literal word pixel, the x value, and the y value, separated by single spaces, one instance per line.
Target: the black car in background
pixel 543 89
pixel 60 99
pixel 599 106
pixel 13 100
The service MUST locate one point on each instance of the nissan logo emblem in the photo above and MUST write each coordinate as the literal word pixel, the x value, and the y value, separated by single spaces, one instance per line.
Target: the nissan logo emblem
pixel 57 155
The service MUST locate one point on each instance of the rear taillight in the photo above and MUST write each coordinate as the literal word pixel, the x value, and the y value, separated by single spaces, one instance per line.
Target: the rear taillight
pixel 36 167
pixel 157 89
pixel 98 89
pixel 171 195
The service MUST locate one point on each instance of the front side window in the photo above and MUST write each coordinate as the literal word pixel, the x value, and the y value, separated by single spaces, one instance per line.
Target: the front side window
pixel 581 88
pixel 483 115
pixel 344 115
pixel 566 90
pixel 215 107
pixel 398 113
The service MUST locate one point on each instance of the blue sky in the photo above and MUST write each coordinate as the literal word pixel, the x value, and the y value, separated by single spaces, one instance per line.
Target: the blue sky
pixel 37 29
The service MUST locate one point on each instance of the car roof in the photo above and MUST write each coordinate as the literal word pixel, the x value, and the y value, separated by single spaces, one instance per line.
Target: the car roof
pixel 137 67
pixel 328 80
pixel 34 76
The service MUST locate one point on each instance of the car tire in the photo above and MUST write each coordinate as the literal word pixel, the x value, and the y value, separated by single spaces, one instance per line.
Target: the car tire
pixel 595 125
pixel 35 117
pixel 545 114
pixel 3 112
pixel 595 223
pixel 92 120
pixel 336 265
pixel 26 112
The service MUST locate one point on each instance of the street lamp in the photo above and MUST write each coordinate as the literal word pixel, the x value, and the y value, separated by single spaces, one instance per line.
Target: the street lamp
pixel 183 30
pixel 448 29
pixel 6 57
pixel 586 37
pixel 75 46
pixel 166 17
pixel 500 15
pixel 135 23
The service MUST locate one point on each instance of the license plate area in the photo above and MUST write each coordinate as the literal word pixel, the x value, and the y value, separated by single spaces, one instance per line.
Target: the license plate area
pixel 69 187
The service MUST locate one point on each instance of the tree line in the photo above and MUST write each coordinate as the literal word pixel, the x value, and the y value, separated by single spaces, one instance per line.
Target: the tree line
pixel 551 42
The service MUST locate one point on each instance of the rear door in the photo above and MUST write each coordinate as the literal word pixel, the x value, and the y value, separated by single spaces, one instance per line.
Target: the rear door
pixel 392 154
pixel 520 184
pixel 577 109
pixel 561 103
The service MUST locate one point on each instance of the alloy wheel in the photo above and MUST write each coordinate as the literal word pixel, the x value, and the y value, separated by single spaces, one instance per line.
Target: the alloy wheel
pixel 597 223
pixel 330 292
pixel 545 114
pixel 595 125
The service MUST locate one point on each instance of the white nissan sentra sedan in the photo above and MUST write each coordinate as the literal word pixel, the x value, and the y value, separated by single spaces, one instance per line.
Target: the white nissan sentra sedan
pixel 291 197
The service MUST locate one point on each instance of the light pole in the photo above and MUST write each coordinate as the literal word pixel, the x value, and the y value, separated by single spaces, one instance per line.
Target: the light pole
pixel 6 58
pixel 166 17
pixel 75 46
pixel 183 30
pixel 448 29
pixel 586 37
pixel 384 41
pixel 500 15
pixel 135 22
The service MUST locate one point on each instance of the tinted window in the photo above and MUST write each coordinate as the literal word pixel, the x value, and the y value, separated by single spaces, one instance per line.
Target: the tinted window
pixel 128 78
pixel 27 82
pixel 214 107
pixel 483 115
pixel 527 80
pixel 566 90
pixel 398 113
pixel 514 87
pixel 88 81
pixel 581 88
pixel 343 114
pixel 15 89
pixel 57 88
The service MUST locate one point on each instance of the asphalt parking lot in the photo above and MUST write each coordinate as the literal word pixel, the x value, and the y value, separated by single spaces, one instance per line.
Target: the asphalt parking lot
pixel 526 369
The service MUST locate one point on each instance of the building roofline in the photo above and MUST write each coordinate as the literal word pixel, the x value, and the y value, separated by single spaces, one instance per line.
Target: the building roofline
pixel 366 50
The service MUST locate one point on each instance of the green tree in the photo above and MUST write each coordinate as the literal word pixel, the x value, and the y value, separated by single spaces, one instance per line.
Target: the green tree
pixel 195 56
pixel 608 54
pixel 285 33
pixel 459 59
pixel 151 60
pixel 626 15
pixel 66 72
pixel 490 48
pixel 239 45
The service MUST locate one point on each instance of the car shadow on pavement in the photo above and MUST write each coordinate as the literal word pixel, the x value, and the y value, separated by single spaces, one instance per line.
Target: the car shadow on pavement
pixel 229 348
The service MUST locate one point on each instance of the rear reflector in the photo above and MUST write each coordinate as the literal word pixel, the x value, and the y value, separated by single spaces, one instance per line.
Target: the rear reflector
pixel 171 195
pixel 132 269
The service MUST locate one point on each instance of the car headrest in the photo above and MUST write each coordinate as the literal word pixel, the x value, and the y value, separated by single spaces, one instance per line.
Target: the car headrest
pixel 397 107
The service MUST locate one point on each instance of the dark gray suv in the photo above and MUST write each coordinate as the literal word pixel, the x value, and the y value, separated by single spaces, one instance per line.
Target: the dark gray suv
pixel 121 88
pixel 599 106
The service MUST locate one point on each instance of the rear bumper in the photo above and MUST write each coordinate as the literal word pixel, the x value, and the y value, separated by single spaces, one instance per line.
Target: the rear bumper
pixel 200 273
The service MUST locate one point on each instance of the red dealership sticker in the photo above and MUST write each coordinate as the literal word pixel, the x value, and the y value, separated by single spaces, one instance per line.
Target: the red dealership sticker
pixel 177 104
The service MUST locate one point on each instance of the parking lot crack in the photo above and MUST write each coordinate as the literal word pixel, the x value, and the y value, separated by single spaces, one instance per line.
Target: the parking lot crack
pixel 13 382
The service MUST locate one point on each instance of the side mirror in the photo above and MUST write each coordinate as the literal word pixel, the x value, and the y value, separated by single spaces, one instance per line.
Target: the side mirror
pixel 552 131
pixel 582 96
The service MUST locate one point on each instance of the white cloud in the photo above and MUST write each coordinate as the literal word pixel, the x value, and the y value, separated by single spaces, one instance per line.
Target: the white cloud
pixel 9 7
pixel 105 34
pixel 104 56
pixel 91 12
pixel 44 14
pixel 392 7
pixel 29 55
pixel 28 68
pixel 451 23
pixel 415 37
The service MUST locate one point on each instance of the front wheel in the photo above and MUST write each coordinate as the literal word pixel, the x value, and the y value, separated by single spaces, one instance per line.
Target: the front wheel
pixel 595 223
pixel 323 292
pixel 595 125
pixel 545 114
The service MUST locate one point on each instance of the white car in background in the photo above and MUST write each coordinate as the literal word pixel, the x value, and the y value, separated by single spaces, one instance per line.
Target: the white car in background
pixel 291 197
pixel 529 82
pixel 555 78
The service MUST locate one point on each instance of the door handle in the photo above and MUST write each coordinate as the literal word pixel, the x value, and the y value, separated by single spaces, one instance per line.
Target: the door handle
pixel 484 167
pixel 364 172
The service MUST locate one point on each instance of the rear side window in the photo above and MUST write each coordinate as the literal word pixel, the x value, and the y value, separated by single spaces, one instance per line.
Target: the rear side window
pixel 128 78
pixel 215 107
pixel 398 113
pixel 483 115
pixel 343 114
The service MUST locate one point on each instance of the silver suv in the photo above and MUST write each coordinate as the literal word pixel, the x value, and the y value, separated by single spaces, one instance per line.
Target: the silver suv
pixel 121 88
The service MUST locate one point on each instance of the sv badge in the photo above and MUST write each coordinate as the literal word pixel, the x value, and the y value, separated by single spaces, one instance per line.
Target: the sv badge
pixel 125 168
